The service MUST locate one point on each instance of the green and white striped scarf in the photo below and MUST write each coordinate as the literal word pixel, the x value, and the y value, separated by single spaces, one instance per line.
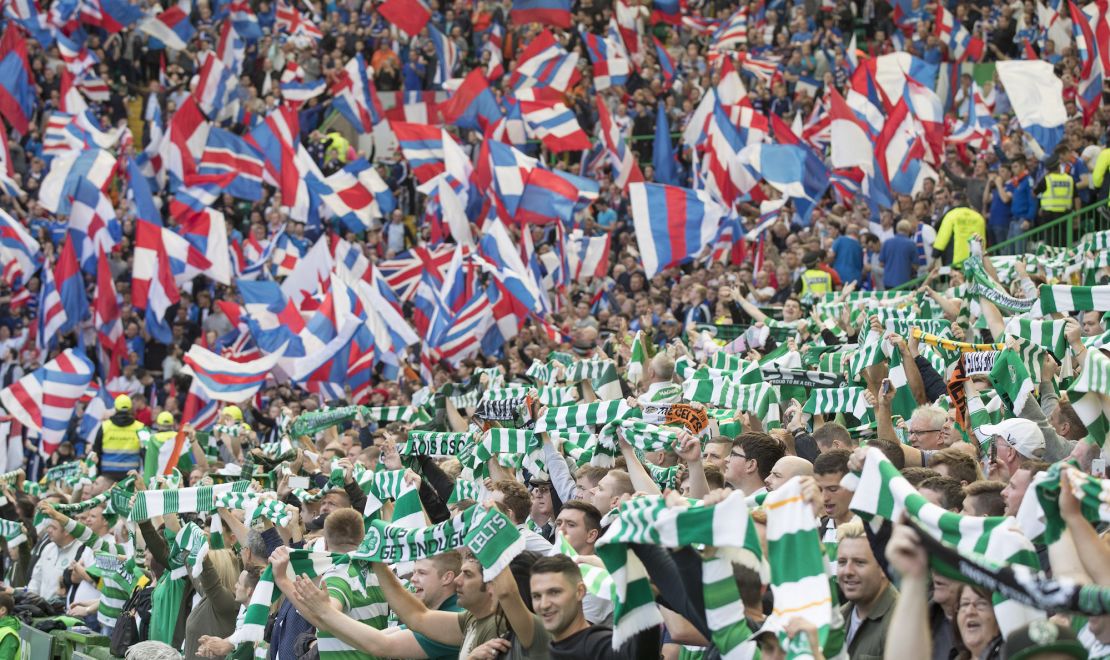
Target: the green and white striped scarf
pixel 881 491
pixel 466 400
pixel 558 396
pixel 577 445
pixel 541 373
pixel 311 423
pixel 1047 334
pixel 13 532
pixel 649 520
pixel 1039 514
pixel 1011 381
pixel 846 399
pixel 602 374
pixel 869 354
pixel 638 360
pixel 199 499
pixel 301 562
pixel 255 507
pixel 505 441
pixel 725 393
pixel 1056 298
pixel 597 580
pixel 464 490
pixel 559 418
pixel 435 444
pixel 649 437
pixel 799 570
pixel 193 544
pixel 980 284
pixel 385 414
pixel 1091 395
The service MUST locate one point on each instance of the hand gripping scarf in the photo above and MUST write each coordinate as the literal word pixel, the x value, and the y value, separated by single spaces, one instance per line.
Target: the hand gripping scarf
pixel 648 520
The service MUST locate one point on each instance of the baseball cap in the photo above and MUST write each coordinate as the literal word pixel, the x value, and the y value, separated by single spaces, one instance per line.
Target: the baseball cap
pixel 1042 637
pixel 237 414
pixel 123 402
pixel 1021 434
pixel 165 418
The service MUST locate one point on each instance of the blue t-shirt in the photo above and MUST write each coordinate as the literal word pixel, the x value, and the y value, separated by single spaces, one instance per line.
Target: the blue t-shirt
pixel 1023 206
pixel 999 211
pixel 899 257
pixel 849 259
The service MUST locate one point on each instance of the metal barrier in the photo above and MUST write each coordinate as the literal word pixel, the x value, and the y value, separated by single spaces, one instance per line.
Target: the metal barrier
pixel 1064 231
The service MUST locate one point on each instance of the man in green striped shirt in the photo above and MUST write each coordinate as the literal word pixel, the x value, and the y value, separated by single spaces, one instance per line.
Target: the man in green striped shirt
pixel 352 588
pixel 96 534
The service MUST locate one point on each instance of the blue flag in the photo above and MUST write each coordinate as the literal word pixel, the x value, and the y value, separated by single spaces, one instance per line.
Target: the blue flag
pixel 662 152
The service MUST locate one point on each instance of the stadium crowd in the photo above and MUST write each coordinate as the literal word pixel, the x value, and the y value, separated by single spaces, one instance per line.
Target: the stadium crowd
pixel 843 426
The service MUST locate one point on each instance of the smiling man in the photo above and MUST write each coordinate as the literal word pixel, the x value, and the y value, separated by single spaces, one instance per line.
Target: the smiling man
pixel 871 597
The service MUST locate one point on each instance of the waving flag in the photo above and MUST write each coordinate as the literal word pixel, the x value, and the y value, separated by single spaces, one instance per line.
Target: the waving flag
pixel 207 233
pixel 227 153
pixel 358 196
pixel 473 105
pixel 549 196
pixel 555 125
pixel 961 45
pixel 215 86
pixel 662 150
pixel 544 12
pixel 46 398
pixel 1091 57
pixel 17 96
pixel 673 225
pixel 447 55
pixel 93 221
pixel 52 314
pixel 422 147
pixel 20 254
pixel 1037 97
pixel 71 286
pixel 292 22
pixel 851 141
pixel 733 32
pixel 274 320
pixel 792 170
pixel 106 320
pixel 409 15
pixel 227 380
pixel 610 62
pixel 666 63
pixel 544 63
pixel 625 168
pixel 355 97
pixel 171 27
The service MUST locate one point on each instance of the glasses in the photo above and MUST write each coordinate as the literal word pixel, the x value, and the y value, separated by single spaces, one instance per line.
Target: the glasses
pixel 733 454
pixel 913 433
pixel 977 605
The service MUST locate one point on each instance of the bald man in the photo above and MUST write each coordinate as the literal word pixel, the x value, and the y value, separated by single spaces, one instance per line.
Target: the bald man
pixel 787 468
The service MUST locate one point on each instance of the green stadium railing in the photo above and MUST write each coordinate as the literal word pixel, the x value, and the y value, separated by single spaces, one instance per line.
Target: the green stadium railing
pixel 1064 231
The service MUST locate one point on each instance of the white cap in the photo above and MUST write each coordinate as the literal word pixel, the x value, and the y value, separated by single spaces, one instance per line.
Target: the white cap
pixel 1021 434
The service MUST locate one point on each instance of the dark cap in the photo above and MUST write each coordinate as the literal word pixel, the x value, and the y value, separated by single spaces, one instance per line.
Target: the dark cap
pixel 1042 637
pixel 811 258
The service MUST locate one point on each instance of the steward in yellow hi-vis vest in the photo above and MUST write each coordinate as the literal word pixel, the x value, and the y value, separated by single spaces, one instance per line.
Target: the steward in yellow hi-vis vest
pixel 118 443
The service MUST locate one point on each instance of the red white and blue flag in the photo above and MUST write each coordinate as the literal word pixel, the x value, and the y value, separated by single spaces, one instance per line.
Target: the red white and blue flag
pixel 555 125
pixel 171 27
pixel 92 220
pixel 544 12
pixel 355 97
pixel 20 254
pixel 46 398
pixel 673 225
pixel 227 380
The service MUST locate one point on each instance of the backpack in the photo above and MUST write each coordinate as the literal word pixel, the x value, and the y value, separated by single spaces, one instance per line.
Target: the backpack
pixel 133 625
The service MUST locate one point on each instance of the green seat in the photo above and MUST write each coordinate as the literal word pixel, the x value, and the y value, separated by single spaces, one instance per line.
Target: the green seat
pixel 36 643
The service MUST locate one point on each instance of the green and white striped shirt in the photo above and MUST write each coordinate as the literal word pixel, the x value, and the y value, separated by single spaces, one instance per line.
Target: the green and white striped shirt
pixel 362 599
pixel 114 589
